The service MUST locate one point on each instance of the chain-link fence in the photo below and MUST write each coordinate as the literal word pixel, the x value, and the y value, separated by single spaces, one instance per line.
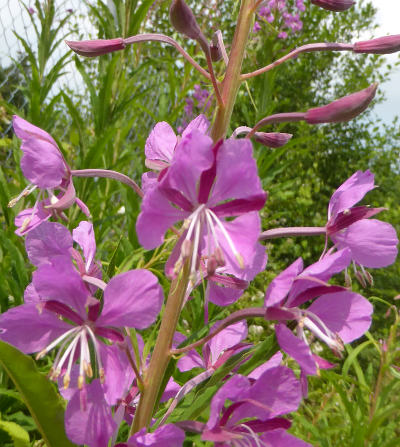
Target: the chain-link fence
pixel 17 18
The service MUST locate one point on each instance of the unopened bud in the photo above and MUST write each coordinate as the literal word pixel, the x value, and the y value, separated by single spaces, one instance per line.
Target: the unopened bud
pixel 216 53
pixel 343 109
pixel 380 45
pixel 92 48
pixel 184 21
pixel 334 5
pixel 272 139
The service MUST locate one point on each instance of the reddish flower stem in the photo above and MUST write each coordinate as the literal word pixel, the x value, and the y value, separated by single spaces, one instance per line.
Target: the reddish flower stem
pixel 309 48
pixel 292 231
pixel 278 118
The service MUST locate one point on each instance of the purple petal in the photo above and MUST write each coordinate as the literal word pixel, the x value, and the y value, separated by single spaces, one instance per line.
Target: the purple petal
pixel 170 391
pixel 200 123
pixel 345 218
pixel 118 373
pixel 90 423
pixel 347 313
pixel 237 175
pixel 295 348
pixel 190 360
pixel 31 295
pixel 157 216
pixel 161 143
pixel 46 241
pixel 83 235
pixel 25 130
pixel 34 217
pixel 223 296
pixel 149 179
pixel 42 163
pixel 281 285
pixel 165 436
pixel 237 207
pixel 30 330
pixel 233 389
pixel 276 392
pixel 131 299
pixel 193 155
pixel 351 192
pixel 373 243
pixel 61 282
pixel 280 438
pixel 273 362
pixel 226 339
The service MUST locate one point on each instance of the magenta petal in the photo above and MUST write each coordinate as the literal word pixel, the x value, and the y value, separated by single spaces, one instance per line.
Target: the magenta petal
pixel 170 391
pixel 277 392
pixel 295 348
pixel 351 192
pixel 373 243
pixel 223 296
pixel 226 339
pixel 118 374
pixel 46 241
pixel 157 216
pixel 347 313
pixel 30 330
pixel 42 163
pixel 237 207
pixel 161 143
pixel 25 130
pixel 165 436
pixel 149 179
pixel 131 299
pixel 91 423
pixel 31 295
pixel 273 362
pixel 190 360
pixel 83 234
pixel 193 156
pixel 281 285
pixel 236 176
pixel 280 438
pixel 200 123
pixel 61 282
pixel 34 217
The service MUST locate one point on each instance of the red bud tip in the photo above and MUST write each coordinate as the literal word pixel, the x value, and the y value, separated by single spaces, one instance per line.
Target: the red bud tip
pixel 343 109
pixel 272 139
pixel 381 45
pixel 92 48
pixel 334 5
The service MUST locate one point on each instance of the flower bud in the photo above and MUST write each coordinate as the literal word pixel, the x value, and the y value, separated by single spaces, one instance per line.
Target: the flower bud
pixel 92 48
pixel 343 109
pixel 184 21
pixel 334 5
pixel 272 139
pixel 381 45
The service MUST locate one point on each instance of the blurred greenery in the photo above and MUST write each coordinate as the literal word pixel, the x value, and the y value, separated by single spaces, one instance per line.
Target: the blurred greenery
pixel 356 403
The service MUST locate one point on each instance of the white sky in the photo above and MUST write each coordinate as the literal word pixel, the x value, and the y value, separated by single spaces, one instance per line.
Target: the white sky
pixel 389 21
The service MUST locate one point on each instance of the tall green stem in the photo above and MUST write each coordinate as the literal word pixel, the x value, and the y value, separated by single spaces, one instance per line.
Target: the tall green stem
pixel 231 82
pixel 161 356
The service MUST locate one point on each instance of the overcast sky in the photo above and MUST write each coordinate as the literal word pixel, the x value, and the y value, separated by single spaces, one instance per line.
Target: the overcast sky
pixel 389 21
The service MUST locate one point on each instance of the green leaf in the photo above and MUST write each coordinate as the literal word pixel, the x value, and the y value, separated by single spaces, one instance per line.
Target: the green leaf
pixel 38 393
pixel 19 436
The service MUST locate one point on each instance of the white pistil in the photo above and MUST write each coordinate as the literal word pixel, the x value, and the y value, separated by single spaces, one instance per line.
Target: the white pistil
pixel 329 338
pixel 237 255
pixel 97 353
pixel 70 349
pixel 195 251
pixel 55 343
pixel 253 436
pixel 24 193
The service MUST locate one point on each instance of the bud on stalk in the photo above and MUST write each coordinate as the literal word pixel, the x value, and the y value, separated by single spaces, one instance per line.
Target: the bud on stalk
pixel 380 45
pixel 334 5
pixel 343 109
pixel 272 139
pixel 184 21
pixel 92 48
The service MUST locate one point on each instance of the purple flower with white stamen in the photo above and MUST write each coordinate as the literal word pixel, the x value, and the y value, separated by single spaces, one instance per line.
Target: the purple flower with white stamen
pixel 44 166
pixel 204 185
pixel 59 311
pixel 337 316
pixel 373 243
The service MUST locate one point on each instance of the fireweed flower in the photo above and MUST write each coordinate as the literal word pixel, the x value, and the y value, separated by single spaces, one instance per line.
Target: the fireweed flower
pixel 204 185
pixel 59 310
pixel 253 417
pixel 160 146
pixel 166 435
pixel 44 166
pixel 337 316
pixel 373 243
